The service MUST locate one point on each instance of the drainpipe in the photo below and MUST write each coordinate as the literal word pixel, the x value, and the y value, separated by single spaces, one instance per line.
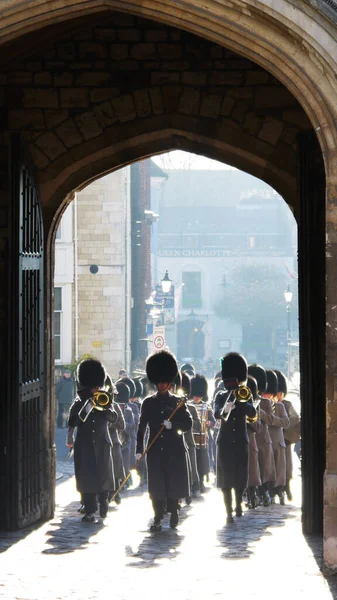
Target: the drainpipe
pixel 76 276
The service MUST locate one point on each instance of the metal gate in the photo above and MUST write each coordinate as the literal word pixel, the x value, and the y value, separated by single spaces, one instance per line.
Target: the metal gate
pixel 25 344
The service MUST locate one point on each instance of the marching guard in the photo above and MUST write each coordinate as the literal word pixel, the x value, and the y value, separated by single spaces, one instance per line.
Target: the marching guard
pixel 293 433
pixel 280 421
pixel 263 439
pixel 254 426
pixel 199 389
pixel 122 398
pixel 167 417
pixel 189 437
pixel 233 406
pixel 92 412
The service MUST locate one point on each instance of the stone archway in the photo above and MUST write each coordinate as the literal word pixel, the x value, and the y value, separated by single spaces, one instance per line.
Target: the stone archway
pixel 291 45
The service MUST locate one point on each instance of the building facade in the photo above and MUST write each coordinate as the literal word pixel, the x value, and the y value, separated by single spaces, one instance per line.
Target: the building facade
pixel 215 228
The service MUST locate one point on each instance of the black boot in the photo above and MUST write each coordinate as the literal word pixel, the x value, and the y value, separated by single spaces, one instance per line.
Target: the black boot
pixel 280 494
pixel 227 495
pixel 252 497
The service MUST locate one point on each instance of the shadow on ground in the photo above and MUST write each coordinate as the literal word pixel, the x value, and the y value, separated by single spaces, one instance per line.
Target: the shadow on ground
pixel 239 538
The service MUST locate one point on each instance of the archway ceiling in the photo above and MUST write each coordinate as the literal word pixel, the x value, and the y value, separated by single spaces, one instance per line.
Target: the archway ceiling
pixel 294 42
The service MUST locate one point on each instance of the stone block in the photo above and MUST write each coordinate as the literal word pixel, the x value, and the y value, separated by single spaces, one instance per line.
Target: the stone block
pixel 92 50
pixel 171 97
pixel 25 119
pixel 239 111
pixel 256 77
pixel 170 51
pixel 55 117
pixel 226 78
pixel 194 78
pixel 41 97
pixel 105 33
pixel 67 51
pixel 101 94
pixel 252 123
pixel 156 101
pixel 43 78
pixel 64 79
pixel 189 101
pixel 69 133
pixel 156 35
pixel 273 96
pixel 142 103
pixel 297 117
pixel 39 158
pixel 129 35
pixel 124 108
pixel 51 145
pixel 119 51
pixel 74 98
pixel 20 77
pixel 243 93
pixel 271 131
pixel 210 105
pixel 144 51
pixel 92 78
pixel 159 78
pixel 227 106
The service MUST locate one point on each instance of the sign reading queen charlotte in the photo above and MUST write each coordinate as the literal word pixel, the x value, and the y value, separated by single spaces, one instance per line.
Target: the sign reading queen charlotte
pixel 191 253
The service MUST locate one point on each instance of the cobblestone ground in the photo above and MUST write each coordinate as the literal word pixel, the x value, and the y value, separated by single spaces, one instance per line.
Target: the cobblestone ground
pixel 261 555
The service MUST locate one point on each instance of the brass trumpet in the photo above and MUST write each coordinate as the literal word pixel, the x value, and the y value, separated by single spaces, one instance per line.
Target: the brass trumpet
pixel 100 400
pixel 241 394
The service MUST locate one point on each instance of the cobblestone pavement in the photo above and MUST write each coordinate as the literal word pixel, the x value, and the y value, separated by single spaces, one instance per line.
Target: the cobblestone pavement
pixel 255 557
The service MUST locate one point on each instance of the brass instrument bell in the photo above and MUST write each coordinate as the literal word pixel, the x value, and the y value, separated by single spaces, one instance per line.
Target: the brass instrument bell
pixel 101 400
pixel 243 393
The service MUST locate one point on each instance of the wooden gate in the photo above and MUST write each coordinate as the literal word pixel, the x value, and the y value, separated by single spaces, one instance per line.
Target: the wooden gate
pixel 25 345
pixel 311 255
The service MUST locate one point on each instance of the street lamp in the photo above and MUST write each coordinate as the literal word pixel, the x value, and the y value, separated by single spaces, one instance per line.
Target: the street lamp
pixel 288 296
pixel 166 283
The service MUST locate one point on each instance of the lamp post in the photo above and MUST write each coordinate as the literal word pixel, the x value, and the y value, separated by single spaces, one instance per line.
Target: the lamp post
pixel 288 296
pixel 166 283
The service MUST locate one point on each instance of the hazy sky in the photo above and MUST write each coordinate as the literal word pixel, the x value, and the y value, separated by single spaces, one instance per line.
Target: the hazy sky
pixel 178 159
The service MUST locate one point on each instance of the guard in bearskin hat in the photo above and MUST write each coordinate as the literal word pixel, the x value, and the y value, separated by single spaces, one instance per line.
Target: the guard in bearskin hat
pixel 293 433
pixel 280 421
pixel 93 446
pixel 232 440
pixel 135 407
pixel 199 389
pixel 263 439
pixel 167 461
pixel 122 398
pixel 116 431
pixel 189 437
pixel 254 426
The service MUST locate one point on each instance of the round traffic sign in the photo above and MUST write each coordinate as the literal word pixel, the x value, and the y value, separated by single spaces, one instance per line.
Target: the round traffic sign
pixel 158 342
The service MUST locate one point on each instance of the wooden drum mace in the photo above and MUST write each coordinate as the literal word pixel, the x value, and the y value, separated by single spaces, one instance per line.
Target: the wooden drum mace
pixel 179 405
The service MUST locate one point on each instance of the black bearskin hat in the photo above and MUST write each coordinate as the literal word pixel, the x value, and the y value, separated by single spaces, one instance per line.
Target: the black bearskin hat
pixel 123 392
pixel 259 374
pixel 131 385
pixel 90 373
pixel 252 384
pixel 234 366
pixel 110 386
pixel 139 388
pixel 187 367
pixel 272 383
pixel 186 384
pixel 282 382
pixel 199 387
pixel 177 381
pixel 161 367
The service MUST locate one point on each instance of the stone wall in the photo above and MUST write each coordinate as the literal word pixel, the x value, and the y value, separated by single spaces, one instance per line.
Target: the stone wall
pixel 103 270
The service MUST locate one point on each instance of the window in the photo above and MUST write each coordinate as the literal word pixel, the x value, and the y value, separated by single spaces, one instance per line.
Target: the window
pixel 59 232
pixel 191 289
pixel 57 321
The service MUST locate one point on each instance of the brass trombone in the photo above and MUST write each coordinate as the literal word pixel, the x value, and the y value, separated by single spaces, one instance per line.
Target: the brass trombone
pixel 241 394
pixel 100 400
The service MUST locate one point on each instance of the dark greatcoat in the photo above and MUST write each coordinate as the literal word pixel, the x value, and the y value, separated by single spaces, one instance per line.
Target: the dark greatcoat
pixel 232 443
pixel 280 421
pixel 92 447
pixel 294 425
pixel 254 476
pixel 117 456
pixel 264 443
pixel 126 437
pixel 206 414
pixel 190 443
pixel 167 462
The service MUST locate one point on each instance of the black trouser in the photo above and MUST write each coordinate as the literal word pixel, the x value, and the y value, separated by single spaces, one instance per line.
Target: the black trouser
pixel 90 502
pixel 227 494
pixel 159 506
